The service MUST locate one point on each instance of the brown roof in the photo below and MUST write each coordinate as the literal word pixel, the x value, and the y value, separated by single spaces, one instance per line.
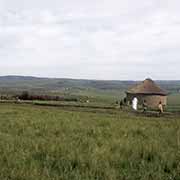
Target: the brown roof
pixel 148 86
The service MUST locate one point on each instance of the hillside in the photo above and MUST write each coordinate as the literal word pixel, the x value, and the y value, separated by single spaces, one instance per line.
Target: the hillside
pixel 20 83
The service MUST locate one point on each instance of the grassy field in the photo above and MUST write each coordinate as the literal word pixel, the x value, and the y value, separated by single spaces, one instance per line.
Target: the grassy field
pixel 53 143
pixel 106 99
pixel 174 102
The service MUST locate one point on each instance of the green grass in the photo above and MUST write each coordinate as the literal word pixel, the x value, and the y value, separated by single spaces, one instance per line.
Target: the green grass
pixel 174 102
pixel 51 143
pixel 95 95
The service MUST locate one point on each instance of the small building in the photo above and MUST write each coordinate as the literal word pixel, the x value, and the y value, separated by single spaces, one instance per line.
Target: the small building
pixel 147 91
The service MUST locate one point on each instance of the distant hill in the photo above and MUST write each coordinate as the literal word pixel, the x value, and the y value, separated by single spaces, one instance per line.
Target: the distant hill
pixel 20 83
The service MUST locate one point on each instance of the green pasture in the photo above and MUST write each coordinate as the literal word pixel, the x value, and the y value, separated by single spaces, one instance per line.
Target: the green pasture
pixel 53 143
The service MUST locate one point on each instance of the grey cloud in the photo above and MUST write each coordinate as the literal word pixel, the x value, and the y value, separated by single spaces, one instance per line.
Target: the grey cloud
pixel 90 39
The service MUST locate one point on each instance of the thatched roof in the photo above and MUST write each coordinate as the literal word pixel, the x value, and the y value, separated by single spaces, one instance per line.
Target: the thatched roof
pixel 148 86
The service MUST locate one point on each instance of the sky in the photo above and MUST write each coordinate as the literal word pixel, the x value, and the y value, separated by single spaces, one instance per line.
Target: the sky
pixel 90 39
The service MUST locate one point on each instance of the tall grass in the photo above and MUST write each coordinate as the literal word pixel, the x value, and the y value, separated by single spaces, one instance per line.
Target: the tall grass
pixel 50 143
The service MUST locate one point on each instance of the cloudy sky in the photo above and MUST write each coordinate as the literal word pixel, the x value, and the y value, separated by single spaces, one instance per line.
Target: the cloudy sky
pixel 90 39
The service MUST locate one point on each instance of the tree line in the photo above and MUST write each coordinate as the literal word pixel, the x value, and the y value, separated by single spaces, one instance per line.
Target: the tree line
pixel 25 95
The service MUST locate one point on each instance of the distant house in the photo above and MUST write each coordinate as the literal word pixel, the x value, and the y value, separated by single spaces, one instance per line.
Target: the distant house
pixel 149 91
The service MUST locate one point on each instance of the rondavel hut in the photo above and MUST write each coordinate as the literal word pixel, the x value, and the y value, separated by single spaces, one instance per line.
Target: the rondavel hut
pixel 147 91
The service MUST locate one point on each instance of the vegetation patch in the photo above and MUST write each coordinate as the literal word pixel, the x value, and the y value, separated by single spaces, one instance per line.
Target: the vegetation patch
pixel 55 143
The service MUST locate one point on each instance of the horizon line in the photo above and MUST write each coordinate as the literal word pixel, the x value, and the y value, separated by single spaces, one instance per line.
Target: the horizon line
pixel 88 79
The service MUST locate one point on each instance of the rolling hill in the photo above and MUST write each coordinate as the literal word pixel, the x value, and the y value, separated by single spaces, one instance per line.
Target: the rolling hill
pixel 21 83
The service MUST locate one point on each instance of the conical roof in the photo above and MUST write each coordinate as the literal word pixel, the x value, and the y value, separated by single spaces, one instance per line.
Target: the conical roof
pixel 148 86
